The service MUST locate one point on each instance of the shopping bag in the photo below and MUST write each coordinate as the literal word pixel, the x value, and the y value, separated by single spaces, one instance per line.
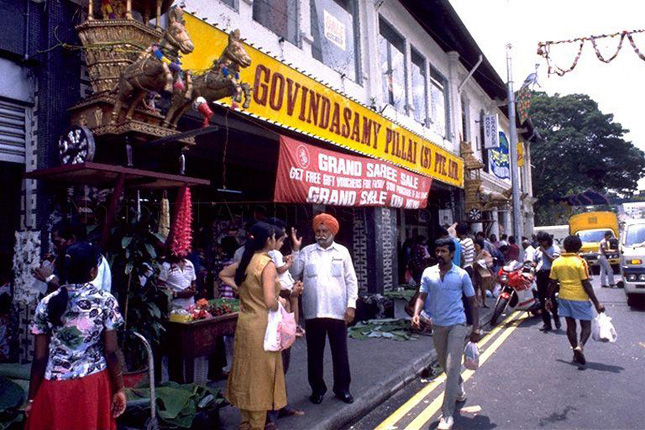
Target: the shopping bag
pixel 272 336
pixel 287 328
pixel 603 330
pixel 471 356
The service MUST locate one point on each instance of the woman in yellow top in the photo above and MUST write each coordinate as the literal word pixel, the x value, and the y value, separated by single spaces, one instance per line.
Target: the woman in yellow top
pixel 256 381
pixel 576 291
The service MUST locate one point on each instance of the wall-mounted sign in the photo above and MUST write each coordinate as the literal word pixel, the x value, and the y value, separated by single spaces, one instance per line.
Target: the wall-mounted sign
pixel 498 159
pixel 491 132
pixel 289 98
pixel 309 174
pixel 334 30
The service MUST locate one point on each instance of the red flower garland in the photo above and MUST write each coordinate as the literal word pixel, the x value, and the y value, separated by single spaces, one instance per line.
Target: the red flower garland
pixel 181 233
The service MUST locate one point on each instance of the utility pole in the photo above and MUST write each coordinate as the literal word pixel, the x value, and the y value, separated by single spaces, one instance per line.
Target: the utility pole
pixel 515 180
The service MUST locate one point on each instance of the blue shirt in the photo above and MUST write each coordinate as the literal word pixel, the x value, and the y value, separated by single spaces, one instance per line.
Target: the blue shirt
pixel 444 304
pixel 457 258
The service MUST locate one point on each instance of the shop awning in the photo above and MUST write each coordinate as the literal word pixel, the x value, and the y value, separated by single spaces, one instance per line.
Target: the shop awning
pixel 106 175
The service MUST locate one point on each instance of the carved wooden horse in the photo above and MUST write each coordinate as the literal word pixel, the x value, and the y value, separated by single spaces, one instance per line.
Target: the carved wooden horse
pixel 220 81
pixel 151 71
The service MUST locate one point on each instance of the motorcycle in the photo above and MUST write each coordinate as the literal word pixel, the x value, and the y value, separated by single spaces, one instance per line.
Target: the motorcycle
pixel 516 293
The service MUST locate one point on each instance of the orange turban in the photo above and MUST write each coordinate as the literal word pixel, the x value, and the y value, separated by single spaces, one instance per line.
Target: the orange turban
pixel 329 221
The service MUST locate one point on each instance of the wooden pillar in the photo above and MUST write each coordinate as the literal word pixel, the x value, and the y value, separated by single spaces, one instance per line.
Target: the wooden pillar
pixel 90 10
pixel 128 9
pixel 158 14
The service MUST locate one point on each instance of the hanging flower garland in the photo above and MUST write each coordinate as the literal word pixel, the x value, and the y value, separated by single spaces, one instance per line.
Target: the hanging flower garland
pixel 544 49
pixel 181 233
pixel 164 216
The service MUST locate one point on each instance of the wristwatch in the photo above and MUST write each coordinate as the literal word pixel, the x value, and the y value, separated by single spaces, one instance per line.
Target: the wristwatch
pixel 50 278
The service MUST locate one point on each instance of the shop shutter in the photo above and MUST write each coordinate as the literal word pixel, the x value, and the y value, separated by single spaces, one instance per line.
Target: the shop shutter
pixel 12 132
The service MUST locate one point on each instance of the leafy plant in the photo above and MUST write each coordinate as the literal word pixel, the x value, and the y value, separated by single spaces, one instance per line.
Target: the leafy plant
pixel 144 305
pixel 177 404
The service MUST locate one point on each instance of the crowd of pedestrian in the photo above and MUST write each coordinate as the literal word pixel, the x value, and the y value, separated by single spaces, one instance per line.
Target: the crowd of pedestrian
pixel 75 323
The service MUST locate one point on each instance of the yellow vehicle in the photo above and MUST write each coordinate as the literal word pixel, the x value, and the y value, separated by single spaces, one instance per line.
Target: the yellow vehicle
pixel 591 228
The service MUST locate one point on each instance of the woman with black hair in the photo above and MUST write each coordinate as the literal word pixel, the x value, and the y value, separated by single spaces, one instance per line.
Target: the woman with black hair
pixel 256 382
pixel 76 374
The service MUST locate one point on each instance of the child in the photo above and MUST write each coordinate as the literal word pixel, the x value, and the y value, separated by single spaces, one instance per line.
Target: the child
pixel 290 287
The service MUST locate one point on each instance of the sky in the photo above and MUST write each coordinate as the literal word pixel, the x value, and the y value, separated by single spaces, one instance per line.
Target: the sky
pixel 618 87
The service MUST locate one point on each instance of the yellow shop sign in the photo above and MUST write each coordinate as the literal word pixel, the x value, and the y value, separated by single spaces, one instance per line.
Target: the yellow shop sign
pixel 283 95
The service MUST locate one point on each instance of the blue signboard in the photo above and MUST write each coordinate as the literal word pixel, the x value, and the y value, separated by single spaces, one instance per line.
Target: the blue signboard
pixel 498 158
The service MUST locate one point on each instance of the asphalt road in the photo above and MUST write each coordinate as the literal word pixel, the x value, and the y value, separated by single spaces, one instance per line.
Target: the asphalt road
pixel 530 382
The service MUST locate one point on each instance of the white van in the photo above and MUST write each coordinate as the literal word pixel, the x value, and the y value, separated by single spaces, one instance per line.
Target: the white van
pixel 632 260
pixel 559 232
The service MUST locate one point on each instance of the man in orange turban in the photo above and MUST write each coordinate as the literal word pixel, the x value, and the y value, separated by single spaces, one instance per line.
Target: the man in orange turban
pixel 329 304
pixel 329 221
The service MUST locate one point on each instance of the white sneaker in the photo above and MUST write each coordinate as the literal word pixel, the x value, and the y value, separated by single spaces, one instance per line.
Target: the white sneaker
pixel 461 397
pixel 445 423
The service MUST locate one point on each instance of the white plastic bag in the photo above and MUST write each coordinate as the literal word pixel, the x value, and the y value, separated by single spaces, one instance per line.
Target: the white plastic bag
pixel 471 356
pixel 603 330
pixel 272 334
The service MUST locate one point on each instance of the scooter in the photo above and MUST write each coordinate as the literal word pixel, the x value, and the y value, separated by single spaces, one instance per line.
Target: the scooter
pixel 516 293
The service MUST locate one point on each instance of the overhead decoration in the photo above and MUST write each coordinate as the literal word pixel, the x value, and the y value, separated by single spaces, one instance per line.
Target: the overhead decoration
pixel 544 49
pixel 478 200
pixel 221 80
pixel 156 69
pixel 181 233
pixel 164 216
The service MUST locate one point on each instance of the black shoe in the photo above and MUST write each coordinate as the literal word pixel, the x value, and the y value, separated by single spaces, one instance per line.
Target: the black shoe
pixel 316 399
pixel 546 328
pixel 346 397
pixel 579 356
pixel 558 324
pixel 605 286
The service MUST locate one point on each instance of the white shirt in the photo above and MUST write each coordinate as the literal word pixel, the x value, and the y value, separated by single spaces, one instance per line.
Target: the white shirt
pixel 178 280
pixel 103 280
pixel 329 279
pixel 529 253
pixel 285 278
pixel 239 252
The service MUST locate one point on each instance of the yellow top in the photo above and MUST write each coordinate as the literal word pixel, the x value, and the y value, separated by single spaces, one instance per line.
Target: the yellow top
pixel 570 270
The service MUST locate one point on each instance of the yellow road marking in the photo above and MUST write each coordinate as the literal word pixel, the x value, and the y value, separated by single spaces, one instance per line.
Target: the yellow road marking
pixel 425 416
pixel 421 394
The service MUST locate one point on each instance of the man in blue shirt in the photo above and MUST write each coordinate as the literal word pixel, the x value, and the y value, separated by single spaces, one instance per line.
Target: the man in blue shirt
pixel 444 234
pixel 440 295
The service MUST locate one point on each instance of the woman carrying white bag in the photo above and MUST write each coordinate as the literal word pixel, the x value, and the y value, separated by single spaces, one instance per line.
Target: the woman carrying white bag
pixel 576 295
pixel 256 382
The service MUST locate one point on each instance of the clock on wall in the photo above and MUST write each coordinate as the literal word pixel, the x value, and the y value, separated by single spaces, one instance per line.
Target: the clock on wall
pixel 475 215
pixel 76 145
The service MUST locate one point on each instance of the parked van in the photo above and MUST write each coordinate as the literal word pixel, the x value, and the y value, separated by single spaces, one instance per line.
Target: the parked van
pixel 591 228
pixel 633 259
pixel 558 232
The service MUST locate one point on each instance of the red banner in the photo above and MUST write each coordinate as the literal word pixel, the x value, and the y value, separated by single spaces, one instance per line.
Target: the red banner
pixel 308 174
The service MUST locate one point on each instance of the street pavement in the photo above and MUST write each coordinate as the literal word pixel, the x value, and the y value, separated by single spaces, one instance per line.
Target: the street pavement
pixel 379 367
pixel 528 381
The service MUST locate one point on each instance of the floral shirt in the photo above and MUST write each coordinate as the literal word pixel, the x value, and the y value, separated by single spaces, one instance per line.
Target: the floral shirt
pixel 76 349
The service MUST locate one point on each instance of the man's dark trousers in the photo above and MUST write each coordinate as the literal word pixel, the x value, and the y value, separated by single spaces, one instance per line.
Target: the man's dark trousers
pixel 317 330
pixel 542 281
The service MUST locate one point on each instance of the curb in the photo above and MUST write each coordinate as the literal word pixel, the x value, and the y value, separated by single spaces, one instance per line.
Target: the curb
pixel 378 394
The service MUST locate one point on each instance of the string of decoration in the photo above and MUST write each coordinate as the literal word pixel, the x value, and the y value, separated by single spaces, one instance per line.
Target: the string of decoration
pixel 544 49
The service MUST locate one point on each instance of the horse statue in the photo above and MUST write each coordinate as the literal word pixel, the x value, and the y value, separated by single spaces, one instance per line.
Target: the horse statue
pixel 153 71
pixel 220 81
pixel 493 199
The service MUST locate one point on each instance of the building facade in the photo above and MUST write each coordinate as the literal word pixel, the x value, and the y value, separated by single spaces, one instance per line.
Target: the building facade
pixel 412 65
